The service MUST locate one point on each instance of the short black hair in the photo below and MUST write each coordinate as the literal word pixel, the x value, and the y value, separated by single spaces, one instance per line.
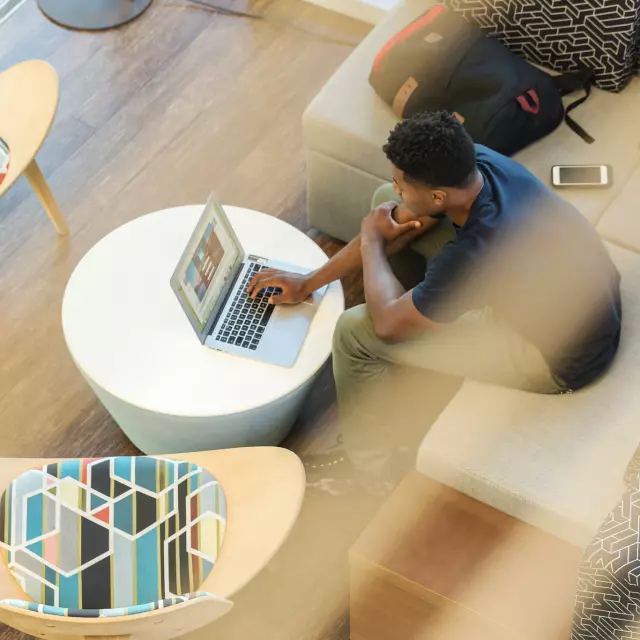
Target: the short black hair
pixel 432 148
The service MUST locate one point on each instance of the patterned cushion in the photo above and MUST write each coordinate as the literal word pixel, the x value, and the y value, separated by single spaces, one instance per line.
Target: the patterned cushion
pixel 608 593
pixel 112 533
pixel 106 613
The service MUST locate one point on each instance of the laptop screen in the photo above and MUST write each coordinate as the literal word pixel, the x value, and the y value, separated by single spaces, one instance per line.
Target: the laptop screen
pixel 206 267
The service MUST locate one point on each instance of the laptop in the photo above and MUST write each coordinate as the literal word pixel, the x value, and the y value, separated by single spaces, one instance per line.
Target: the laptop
pixel 211 282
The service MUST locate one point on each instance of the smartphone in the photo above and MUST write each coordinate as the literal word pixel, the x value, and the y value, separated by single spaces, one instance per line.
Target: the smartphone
pixel 587 175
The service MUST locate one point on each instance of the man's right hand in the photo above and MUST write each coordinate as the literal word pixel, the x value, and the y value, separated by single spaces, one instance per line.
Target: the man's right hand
pixel 295 287
pixel 389 222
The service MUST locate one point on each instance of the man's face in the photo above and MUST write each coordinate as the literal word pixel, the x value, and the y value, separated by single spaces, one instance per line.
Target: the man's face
pixel 419 198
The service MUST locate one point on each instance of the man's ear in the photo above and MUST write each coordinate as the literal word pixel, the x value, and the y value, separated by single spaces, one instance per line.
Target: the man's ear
pixel 439 197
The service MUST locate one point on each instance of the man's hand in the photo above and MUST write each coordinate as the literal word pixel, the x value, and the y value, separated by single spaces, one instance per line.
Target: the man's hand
pixel 295 287
pixel 380 225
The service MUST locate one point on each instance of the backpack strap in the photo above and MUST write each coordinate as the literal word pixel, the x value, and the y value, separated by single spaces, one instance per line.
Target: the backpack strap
pixel 568 83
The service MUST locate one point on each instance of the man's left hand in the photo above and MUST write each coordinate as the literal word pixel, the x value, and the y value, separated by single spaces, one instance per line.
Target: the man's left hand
pixel 380 226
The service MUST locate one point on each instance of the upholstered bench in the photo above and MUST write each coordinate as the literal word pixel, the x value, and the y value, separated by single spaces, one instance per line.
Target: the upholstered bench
pixel 556 462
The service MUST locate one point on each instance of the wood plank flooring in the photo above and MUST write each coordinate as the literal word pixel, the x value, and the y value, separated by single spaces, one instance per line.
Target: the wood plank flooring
pixel 151 116
pixel 154 115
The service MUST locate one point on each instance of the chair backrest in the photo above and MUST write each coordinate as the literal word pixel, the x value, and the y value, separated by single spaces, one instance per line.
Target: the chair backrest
pixel 110 544
pixel 112 532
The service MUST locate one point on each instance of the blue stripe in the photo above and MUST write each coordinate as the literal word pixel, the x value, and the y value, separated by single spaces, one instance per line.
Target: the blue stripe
pixel 147 567
pixel 69 591
pixel 96 501
pixel 123 515
pixel 34 516
pixel 49 576
pixel 146 473
pixel 140 608
pixel 54 611
pixel 70 469
pixel 122 467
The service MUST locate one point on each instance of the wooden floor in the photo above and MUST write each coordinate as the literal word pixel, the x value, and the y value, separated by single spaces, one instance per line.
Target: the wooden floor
pixel 154 115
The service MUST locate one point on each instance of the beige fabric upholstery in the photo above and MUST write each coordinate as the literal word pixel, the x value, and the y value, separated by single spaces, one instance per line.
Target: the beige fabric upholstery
pixel 556 462
pixel 621 221
pixel 347 123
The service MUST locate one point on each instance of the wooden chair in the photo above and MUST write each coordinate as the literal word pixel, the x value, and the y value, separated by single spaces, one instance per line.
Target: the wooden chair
pixel 28 103
pixel 263 488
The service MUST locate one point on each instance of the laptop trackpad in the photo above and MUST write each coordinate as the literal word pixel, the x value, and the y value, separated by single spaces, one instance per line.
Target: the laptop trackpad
pixel 286 333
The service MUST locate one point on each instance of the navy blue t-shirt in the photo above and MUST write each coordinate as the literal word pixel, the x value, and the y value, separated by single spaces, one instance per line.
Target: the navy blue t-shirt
pixel 538 263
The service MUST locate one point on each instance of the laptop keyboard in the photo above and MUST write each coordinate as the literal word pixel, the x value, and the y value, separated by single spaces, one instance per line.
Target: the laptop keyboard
pixel 247 317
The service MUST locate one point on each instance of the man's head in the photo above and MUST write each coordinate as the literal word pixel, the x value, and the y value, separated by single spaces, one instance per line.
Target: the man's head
pixel 434 162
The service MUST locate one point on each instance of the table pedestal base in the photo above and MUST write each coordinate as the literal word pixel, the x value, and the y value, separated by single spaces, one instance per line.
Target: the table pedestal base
pixel 155 433
pixel 93 15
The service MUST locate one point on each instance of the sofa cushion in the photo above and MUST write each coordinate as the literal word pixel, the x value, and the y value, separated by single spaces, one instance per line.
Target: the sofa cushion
pixel 348 122
pixel 111 532
pixel 620 223
pixel 556 462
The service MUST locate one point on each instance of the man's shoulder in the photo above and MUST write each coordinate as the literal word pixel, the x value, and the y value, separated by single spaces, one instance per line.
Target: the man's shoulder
pixel 489 159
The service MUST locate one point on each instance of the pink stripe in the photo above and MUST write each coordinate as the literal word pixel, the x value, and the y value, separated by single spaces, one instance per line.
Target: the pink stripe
pixel 51 549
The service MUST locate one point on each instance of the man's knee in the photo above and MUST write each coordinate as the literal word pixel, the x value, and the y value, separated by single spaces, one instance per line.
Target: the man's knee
pixel 385 193
pixel 352 328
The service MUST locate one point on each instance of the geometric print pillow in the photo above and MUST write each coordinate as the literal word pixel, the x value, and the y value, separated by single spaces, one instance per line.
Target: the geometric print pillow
pixel 112 533
pixel 607 603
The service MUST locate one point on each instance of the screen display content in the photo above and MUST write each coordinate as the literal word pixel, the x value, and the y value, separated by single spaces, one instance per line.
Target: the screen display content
pixel 580 175
pixel 209 264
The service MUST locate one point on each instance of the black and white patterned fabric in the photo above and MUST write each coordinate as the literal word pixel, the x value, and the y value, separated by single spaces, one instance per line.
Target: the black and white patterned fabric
pixel 564 34
pixel 608 594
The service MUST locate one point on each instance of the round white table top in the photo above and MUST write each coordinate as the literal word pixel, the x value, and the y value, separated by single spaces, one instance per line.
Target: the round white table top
pixel 127 333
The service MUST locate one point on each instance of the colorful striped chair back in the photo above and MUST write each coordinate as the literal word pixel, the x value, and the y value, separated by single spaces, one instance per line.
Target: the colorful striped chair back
pixel 111 536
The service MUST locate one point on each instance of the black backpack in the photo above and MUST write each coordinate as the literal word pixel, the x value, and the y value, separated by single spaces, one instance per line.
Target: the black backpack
pixel 442 62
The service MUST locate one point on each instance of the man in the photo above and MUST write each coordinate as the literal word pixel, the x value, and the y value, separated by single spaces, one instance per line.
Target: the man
pixel 519 290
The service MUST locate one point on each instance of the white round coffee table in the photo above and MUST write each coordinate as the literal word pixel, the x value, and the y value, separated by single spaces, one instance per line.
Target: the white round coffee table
pixel 132 342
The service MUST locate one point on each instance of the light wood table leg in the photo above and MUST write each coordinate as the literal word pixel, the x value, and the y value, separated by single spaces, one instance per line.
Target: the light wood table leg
pixel 40 186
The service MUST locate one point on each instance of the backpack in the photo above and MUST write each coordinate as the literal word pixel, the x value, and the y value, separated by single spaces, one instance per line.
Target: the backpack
pixel 442 62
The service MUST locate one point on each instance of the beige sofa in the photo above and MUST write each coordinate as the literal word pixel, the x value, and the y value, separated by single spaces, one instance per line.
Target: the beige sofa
pixel 554 462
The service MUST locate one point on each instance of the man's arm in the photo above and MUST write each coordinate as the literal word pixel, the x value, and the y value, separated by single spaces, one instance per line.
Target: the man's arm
pixel 349 259
pixel 393 313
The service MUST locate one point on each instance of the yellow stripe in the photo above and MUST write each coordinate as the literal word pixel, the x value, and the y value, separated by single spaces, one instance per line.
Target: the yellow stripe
pixel 158 511
pixel 79 564
pixel 7 515
pixel 111 580
pixel 44 568
pixel 216 489
pixel 189 490
pixel 166 535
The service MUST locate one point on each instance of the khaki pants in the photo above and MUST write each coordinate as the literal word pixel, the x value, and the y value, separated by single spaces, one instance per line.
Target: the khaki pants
pixel 478 346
